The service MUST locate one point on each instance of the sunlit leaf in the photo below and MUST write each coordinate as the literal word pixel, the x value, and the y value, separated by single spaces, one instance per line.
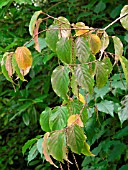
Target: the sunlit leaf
pixel 57 146
pixel 74 85
pixel 52 37
pixel 35 35
pixel 95 43
pixel 39 145
pixel 64 50
pixel 84 78
pixel 64 27
pixel 23 57
pixel 45 149
pixel 81 25
pixel 103 69
pixel 86 150
pixel 26 119
pixel 60 81
pixel 33 22
pixel 124 63
pixel 58 118
pixel 104 42
pixel 123 112
pixel 124 20
pixel 75 119
pixel 75 138
pixel 44 119
pixel 106 107
pixel 3 67
pixel 81 98
pixel 118 46
pixel 82 49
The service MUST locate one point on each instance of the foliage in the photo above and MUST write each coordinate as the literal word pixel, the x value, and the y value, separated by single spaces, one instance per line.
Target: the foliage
pixel 74 81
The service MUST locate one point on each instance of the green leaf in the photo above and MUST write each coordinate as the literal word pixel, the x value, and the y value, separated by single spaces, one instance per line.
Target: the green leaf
pixel 124 20
pixel 103 69
pixel 102 91
pixel 39 145
pixel 124 63
pixel 58 118
pixel 121 133
pixel 106 107
pixel 123 112
pixel 64 50
pixel 99 7
pixel 3 67
pixel 26 119
pixel 118 46
pixel 33 22
pixel 86 150
pixel 57 146
pixel 52 37
pixel 44 119
pixel 75 138
pixel 124 167
pixel 17 69
pixel 24 1
pixel 104 42
pixel 84 78
pixel 60 81
pixel 74 85
pixel 82 49
pixel 28 144
pixel 66 25
pixel 32 153
pixel 3 3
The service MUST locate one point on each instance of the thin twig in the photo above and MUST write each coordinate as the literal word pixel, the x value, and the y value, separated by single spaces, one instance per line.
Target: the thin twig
pixel 115 21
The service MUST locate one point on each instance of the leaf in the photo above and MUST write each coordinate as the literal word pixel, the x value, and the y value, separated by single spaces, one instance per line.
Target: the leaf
pixel 74 85
pixel 26 119
pixel 57 146
pixel 84 78
pixel 75 119
pixel 103 69
pixel 81 98
pixel 58 118
pixel 104 42
pixel 124 20
pixel 52 37
pixel 102 91
pixel 17 69
pixel 75 138
pixel 35 35
pixel 45 149
pixel 3 3
pixel 123 112
pixel 23 58
pixel 118 46
pixel 39 145
pixel 124 63
pixel 86 150
pixel 8 64
pixel 63 24
pixel 64 50
pixel 44 119
pixel 60 81
pixel 83 50
pixel 33 22
pixel 81 25
pixel 106 107
pixel 95 43
pixel 28 144
pixel 32 153
pixel 99 7
pixel 3 68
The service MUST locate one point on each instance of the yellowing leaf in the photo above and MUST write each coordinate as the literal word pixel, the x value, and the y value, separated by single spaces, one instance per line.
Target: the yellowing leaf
pixel 23 58
pixel 95 43
pixel 124 20
pixel 45 149
pixel 86 150
pixel 81 98
pixel 80 25
pixel 9 64
pixel 75 119
pixel 37 47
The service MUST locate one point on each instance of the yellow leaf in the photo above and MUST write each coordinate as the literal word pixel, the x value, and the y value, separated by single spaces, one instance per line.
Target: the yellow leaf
pixel 23 58
pixel 81 98
pixel 75 119
pixel 86 150
pixel 95 43
pixel 80 25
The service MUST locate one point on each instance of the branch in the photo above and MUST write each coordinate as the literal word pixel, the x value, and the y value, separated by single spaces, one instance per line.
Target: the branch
pixel 115 21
